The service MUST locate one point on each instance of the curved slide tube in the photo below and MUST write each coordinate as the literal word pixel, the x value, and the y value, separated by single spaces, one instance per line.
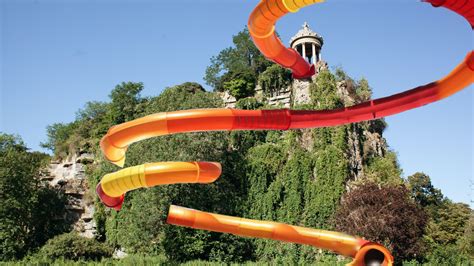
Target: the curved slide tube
pixel 113 187
pixel 363 251
pixel 261 26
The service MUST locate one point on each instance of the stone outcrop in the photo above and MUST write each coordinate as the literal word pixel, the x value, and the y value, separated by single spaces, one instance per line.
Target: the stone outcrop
pixel 362 144
pixel 229 100
pixel 69 176
pixel 295 94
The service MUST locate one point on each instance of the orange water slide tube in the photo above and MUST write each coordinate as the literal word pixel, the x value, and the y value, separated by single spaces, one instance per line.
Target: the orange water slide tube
pixel 261 26
pixel 363 251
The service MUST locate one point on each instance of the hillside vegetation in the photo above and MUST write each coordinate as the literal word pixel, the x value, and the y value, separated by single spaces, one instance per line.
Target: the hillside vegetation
pixel 299 177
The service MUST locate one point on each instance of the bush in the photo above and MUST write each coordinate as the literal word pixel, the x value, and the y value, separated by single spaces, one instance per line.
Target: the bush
pixel 71 246
pixel 447 255
pixel 385 215
pixel 239 88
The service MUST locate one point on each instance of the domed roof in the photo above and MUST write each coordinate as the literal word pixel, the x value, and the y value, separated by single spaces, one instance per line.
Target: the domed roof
pixel 306 32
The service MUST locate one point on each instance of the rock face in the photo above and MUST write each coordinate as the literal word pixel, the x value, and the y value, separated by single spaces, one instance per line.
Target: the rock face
pixel 229 100
pixel 69 176
pixel 281 97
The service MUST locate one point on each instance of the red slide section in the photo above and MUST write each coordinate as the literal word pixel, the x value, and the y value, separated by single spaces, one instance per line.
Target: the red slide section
pixel 464 8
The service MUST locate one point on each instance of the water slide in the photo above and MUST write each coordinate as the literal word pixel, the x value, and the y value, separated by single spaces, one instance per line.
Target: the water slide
pixel 113 186
pixel 363 251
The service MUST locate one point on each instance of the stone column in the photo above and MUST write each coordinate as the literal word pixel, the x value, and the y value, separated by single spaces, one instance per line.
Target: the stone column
pixel 304 51
pixel 313 57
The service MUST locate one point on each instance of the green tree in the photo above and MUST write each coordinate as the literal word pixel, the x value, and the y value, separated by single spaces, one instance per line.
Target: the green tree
pixel 30 212
pixel 449 233
pixel 243 57
pixel 239 88
pixel 448 223
pixel 363 90
pixel 240 84
pixel 423 191
pixel 125 99
pixel 92 122
pixel 81 135
pixel 58 136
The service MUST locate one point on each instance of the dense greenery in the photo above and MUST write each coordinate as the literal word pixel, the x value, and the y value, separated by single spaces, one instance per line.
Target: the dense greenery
pixel 300 177
pixel 449 229
pixel 239 68
pixel 243 58
pixel 273 78
pixel 30 212
pixel 74 247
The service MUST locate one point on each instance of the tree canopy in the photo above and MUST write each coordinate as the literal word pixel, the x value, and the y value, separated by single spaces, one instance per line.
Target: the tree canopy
pixel 30 212
pixel 242 61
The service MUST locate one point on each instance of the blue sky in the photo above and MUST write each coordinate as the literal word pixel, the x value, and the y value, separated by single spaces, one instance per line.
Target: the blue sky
pixel 56 56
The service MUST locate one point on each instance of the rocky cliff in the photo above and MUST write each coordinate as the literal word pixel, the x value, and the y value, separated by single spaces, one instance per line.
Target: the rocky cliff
pixel 69 176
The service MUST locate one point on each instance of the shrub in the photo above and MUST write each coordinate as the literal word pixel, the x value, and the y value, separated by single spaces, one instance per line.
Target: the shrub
pixel 385 215
pixel 71 246
pixel 239 88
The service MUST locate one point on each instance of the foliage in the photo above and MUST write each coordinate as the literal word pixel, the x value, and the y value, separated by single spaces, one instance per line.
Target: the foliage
pixel 449 230
pixel 241 58
pixel 241 84
pixel 71 246
pixel 466 243
pixel 30 212
pixel 340 74
pixel 384 170
pixel 423 192
pixel 125 99
pixel 274 78
pixel 363 90
pixel 93 121
pixel 188 95
pixel 58 135
pixel 447 255
pixel 248 104
pixel 448 223
pixel 142 259
pixel 384 214
pixel 323 92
